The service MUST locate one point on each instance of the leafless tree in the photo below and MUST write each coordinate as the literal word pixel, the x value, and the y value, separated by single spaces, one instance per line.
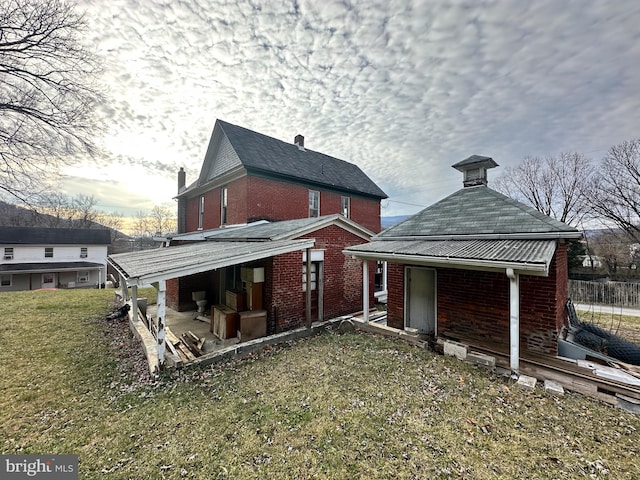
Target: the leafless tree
pixel 48 91
pixel 552 185
pixel 614 194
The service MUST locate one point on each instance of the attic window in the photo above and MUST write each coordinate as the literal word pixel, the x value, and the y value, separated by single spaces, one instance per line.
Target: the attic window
pixel 223 205
pixel 345 206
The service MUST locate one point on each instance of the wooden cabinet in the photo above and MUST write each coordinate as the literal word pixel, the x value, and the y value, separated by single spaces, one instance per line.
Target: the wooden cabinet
pixel 224 322
pixel 235 299
pixel 253 324
pixel 254 296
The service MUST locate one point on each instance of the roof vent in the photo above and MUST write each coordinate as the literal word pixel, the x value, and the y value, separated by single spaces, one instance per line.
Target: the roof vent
pixel 475 169
pixel 299 141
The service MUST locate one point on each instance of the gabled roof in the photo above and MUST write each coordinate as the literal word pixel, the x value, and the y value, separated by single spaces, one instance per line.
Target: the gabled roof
pixel 479 212
pixel 289 229
pixel 54 236
pixel 233 146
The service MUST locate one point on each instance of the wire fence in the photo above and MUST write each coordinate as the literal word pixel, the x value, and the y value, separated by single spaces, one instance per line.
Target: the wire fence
pixel 605 293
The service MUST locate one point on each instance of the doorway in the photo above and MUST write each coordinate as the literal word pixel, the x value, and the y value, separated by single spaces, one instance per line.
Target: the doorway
pixel 48 280
pixel 420 299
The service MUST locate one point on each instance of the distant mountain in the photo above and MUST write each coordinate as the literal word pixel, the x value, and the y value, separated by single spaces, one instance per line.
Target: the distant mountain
pixel 391 221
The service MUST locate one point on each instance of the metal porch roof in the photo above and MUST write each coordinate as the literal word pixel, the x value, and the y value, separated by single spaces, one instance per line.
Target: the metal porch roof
pixel 530 256
pixel 150 266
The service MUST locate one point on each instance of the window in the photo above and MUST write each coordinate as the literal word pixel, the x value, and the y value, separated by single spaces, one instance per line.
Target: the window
pixel 201 214
pixel 314 278
pixel 83 277
pixel 48 252
pixel 5 280
pixel 314 203
pixel 83 252
pixel 8 253
pixel 345 206
pixel 223 206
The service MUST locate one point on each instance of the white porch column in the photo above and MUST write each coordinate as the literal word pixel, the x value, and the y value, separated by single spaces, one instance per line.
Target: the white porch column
pixel 162 310
pixel 123 289
pixel 384 276
pixel 365 290
pixel 134 303
pixel 514 320
pixel 308 289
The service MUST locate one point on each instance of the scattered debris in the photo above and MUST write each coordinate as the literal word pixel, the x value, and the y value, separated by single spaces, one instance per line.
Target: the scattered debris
pixel 119 313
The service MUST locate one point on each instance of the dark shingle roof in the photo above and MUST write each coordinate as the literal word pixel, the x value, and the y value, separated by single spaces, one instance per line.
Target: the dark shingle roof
pixel 265 155
pixel 478 211
pixel 54 236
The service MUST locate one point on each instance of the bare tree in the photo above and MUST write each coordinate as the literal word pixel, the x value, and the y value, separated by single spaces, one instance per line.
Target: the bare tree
pixel 163 220
pixel 614 194
pixel 47 92
pixel 552 185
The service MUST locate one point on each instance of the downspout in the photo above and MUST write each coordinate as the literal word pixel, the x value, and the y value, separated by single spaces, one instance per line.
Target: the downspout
pixel 514 319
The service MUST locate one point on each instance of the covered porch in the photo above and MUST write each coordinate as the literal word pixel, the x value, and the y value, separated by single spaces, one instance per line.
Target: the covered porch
pixel 156 267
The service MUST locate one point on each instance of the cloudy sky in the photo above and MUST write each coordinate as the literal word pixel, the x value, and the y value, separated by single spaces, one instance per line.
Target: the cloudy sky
pixel 404 89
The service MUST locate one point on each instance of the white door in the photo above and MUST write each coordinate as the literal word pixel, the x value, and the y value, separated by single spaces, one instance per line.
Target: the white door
pixel 48 280
pixel 421 299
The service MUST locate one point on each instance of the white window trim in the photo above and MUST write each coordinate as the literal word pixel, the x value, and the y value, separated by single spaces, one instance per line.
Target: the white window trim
pixel 8 253
pixel 224 203
pixel 201 213
pixel 316 194
pixel 45 252
pixel 84 252
pixel 84 276
pixel 348 199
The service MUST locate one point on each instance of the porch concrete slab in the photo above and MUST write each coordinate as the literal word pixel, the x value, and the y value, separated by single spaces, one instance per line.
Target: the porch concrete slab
pixel 526 383
pixel 553 388
pixel 456 349
pixel 481 359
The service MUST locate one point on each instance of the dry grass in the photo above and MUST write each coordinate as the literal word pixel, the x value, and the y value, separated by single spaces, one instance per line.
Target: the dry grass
pixel 333 406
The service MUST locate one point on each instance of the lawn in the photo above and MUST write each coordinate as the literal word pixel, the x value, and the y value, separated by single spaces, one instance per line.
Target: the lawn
pixel 332 406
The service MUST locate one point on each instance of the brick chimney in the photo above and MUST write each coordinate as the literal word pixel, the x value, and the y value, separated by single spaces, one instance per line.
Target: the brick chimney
pixel 182 179
pixel 299 141
pixel 475 169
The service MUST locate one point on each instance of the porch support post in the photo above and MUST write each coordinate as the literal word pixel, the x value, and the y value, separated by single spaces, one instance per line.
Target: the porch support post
pixel 514 320
pixel 162 310
pixel 384 276
pixel 123 289
pixel 308 289
pixel 365 290
pixel 134 303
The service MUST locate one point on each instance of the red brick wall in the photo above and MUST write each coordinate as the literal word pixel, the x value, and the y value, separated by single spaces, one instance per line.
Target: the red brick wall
pixel 395 295
pixel 179 290
pixel 254 198
pixel 471 302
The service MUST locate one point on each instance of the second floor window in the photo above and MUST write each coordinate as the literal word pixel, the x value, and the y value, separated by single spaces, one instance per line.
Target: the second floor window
pixel 223 206
pixel 345 206
pixel 48 252
pixel 314 203
pixel 84 252
pixel 201 214
pixel 8 253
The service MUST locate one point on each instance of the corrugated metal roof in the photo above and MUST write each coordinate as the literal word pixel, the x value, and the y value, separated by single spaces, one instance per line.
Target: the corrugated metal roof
pixel 172 262
pixel 534 255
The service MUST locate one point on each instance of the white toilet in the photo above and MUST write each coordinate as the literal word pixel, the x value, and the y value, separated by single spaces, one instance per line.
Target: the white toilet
pixel 201 300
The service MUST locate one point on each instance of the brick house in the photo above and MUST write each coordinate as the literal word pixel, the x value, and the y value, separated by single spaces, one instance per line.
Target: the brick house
pixel 263 203
pixel 477 265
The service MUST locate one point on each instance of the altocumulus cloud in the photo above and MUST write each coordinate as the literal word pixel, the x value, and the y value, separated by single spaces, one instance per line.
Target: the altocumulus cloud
pixel 403 89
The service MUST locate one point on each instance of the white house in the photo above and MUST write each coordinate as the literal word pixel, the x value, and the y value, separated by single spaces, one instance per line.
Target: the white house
pixel 32 258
